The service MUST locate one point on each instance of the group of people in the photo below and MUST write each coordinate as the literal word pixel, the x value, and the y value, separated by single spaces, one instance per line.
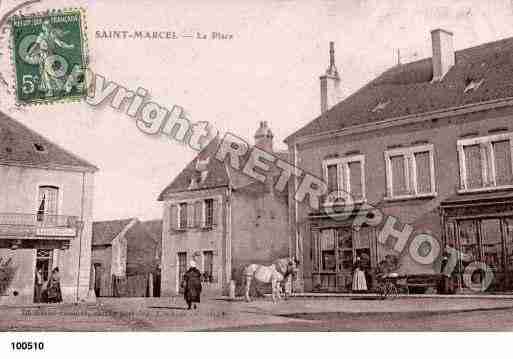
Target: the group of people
pixel 47 291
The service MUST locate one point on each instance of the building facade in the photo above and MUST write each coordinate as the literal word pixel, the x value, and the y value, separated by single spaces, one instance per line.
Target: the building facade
pixel 125 258
pixel 46 202
pixel 222 219
pixel 429 145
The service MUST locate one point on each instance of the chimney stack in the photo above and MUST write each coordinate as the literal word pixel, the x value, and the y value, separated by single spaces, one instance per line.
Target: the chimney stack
pixel 264 137
pixel 330 83
pixel 443 53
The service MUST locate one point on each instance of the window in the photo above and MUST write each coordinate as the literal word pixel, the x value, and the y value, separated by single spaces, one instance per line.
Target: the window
pixel 48 203
pixel 410 172
pixel 182 215
pixel 486 162
pixel 208 213
pixel 208 266
pixel 347 177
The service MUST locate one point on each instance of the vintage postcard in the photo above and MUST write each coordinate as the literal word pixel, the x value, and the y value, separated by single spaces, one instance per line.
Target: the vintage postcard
pixel 255 166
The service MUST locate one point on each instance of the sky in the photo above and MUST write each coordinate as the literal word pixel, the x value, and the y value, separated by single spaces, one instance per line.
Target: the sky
pixel 269 71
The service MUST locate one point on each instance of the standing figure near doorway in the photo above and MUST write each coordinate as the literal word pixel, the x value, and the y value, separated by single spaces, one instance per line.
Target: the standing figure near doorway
pixel 38 285
pixel 359 281
pixel 53 289
pixel 192 285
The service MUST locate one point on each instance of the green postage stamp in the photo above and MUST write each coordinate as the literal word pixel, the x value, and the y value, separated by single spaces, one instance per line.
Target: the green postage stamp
pixel 49 57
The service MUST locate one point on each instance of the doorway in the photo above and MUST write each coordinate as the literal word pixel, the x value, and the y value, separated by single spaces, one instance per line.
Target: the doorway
pixel 97 279
pixel 182 268
pixel 44 259
pixel 334 253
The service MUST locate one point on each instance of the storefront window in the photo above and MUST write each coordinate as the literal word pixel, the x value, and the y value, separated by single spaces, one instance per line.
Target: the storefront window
pixel 468 241
pixel 492 243
pixel 328 261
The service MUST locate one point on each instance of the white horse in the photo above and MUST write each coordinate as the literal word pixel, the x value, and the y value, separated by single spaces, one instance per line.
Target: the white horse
pixel 276 274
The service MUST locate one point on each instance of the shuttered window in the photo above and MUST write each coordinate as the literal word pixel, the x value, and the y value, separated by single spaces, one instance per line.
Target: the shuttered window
pixel 183 217
pixel 209 212
pixel 422 162
pixel 473 162
pixel 399 186
pixel 502 156
pixel 198 214
pixel 332 178
pixel 355 180
pixel 345 178
pixel 410 172
pixel 485 162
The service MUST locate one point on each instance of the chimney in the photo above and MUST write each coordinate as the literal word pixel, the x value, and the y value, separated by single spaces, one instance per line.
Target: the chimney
pixel 330 83
pixel 443 53
pixel 264 137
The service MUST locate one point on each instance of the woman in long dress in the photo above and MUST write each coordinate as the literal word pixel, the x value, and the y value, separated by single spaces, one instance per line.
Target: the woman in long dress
pixel 192 285
pixel 359 281
pixel 53 290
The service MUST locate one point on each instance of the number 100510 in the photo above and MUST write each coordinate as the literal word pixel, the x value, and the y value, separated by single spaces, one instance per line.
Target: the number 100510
pixel 27 346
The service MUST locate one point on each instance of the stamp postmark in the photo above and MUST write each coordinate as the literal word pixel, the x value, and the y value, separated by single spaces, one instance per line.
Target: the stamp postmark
pixel 49 57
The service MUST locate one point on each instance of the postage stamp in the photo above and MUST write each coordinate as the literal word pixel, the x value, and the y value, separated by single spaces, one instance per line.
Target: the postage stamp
pixel 49 57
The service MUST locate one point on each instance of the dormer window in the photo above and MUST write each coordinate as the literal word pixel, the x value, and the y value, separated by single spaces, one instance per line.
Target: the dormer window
pixel 194 183
pixel 471 85
pixel 39 147
pixel 381 106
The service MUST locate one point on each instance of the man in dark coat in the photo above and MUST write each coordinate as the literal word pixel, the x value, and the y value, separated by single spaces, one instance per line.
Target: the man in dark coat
pixel 192 285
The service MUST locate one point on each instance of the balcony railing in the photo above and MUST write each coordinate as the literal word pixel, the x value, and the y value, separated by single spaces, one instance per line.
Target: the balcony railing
pixel 38 225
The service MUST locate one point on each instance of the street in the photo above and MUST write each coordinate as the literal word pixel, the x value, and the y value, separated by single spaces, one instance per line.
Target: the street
pixel 296 314
pixel 485 320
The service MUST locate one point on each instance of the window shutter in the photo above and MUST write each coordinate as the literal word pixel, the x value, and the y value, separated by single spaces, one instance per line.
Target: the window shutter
pixel 422 161
pixel 216 211
pixel 198 213
pixel 355 180
pixel 173 213
pixel 190 215
pixel 474 166
pixel 502 152
pixel 398 175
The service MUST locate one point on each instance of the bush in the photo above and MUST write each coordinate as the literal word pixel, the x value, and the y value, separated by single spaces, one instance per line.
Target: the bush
pixel 7 272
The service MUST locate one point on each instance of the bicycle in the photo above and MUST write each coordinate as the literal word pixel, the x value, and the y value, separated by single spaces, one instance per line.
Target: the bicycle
pixel 387 287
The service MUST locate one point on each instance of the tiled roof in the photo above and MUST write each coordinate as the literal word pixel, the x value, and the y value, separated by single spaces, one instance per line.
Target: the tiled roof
pixel 105 231
pixel 218 173
pixel 21 145
pixel 154 228
pixel 407 89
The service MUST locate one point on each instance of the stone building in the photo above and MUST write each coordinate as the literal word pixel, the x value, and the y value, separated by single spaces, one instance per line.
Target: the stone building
pixel 46 202
pixel 125 258
pixel 222 219
pixel 427 143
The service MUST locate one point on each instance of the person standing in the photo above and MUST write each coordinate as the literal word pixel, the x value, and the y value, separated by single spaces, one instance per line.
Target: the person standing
pixel 192 285
pixel 359 281
pixel 53 290
pixel 38 285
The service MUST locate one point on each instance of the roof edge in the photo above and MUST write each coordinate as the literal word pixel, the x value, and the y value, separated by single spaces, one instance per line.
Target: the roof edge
pixel 87 163
pixel 396 121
